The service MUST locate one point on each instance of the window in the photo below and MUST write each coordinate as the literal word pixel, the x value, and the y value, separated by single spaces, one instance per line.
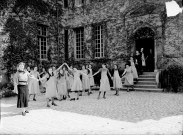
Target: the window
pixel 66 4
pixel 79 45
pixel 99 41
pixel 42 42
pixel 79 3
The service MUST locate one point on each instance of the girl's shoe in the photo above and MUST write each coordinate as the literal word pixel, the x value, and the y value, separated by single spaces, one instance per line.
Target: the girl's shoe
pixel 77 99
pixel 26 111
pixel 34 99
pixel 23 113
pixel 48 105
pixel 54 104
pixel 98 97
pixel 72 99
pixel 104 97
pixel 117 94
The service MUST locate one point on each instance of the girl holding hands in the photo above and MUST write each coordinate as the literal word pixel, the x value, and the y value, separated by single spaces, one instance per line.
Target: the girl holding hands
pixel 104 82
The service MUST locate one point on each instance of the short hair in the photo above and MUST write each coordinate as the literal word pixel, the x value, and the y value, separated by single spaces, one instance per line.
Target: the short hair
pixel 21 64
pixel 128 63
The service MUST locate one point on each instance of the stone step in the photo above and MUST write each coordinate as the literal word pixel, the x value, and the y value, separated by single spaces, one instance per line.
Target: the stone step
pixel 147 82
pixel 149 73
pixel 147 76
pixel 144 89
pixel 145 86
pixel 147 79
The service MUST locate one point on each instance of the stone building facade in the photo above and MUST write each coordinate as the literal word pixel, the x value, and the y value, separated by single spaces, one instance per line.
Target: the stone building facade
pixel 112 30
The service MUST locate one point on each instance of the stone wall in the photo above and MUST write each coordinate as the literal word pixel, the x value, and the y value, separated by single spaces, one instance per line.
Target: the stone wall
pixel 123 18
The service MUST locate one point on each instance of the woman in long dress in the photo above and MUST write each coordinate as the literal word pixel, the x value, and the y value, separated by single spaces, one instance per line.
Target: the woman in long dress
pixel 77 84
pixel 104 81
pixel 62 85
pixel 85 80
pixel 138 62
pixel 51 87
pixel 69 80
pixel 135 74
pixel 92 83
pixel 143 59
pixel 117 84
pixel 127 74
pixel 34 84
pixel 43 82
pixel 21 81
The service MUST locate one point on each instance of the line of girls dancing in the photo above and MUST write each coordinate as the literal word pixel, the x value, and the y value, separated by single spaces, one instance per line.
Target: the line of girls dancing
pixel 58 83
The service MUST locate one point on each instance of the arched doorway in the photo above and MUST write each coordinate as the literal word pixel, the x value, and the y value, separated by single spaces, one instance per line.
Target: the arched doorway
pixel 144 38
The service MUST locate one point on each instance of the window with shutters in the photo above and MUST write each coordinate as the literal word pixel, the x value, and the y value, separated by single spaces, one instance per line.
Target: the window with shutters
pixel 42 42
pixel 79 43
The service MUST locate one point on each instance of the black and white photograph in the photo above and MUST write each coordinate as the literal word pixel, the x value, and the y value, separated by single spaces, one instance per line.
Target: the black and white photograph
pixel 91 67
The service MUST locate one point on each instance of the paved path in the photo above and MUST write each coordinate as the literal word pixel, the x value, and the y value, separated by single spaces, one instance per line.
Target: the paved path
pixel 130 113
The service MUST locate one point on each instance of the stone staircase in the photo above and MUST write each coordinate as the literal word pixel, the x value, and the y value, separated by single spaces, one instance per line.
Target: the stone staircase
pixel 146 82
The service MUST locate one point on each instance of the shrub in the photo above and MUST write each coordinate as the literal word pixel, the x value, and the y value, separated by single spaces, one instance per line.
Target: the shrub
pixel 171 78
pixel 175 73
pixel 6 92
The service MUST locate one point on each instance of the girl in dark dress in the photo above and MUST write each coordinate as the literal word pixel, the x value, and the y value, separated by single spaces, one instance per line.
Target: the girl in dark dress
pixel 138 62
pixel 21 80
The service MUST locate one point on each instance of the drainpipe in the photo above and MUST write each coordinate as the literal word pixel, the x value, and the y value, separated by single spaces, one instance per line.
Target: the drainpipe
pixel 57 33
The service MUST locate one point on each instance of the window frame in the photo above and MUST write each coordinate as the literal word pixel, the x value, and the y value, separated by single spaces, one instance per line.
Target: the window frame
pixel 41 38
pixel 101 40
pixel 75 43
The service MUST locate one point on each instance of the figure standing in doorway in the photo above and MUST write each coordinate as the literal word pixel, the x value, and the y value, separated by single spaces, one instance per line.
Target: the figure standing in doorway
pixel 138 62
pixel 150 60
pixel 143 59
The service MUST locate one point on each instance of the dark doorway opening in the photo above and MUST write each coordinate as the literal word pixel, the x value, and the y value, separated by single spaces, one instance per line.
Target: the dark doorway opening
pixel 145 39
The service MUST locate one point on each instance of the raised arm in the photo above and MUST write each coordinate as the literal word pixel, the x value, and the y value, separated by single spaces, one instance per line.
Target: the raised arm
pixel 60 67
pixel 68 67
pixel 44 77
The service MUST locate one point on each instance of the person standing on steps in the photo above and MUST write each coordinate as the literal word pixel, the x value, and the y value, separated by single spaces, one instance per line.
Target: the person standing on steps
pixel 104 81
pixel 138 62
pixel 135 74
pixel 150 60
pixel 143 57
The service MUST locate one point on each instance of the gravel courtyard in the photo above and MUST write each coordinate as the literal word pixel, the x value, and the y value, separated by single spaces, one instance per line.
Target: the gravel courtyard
pixel 140 109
